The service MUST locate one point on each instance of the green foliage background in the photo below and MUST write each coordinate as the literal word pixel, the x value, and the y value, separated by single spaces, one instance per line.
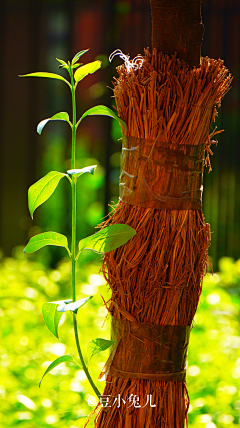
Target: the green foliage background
pixel 27 347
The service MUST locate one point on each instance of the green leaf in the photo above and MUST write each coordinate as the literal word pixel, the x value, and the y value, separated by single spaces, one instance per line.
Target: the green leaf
pixel 40 191
pixel 102 111
pixel 77 56
pixel 58 116
pixel 77 65
pixel 108 239
pixel 60 302
pixel 86 69
pixel 55 363
pixel 78 172
pixel 64 307
pixel 61 62
pixel 64 66
pixel 46 74
pixel 46 238
pixel 98 345
pixel 51 317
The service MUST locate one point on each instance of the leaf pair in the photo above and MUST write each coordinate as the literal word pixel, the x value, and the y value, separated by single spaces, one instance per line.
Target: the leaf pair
pixel 73 64
pixel 93 348
pixel 52 312
pixel 103 241
pixel 94 111
pixel 81 72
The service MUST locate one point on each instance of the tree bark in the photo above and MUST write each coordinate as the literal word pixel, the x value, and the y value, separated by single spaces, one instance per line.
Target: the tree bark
pixel 177 27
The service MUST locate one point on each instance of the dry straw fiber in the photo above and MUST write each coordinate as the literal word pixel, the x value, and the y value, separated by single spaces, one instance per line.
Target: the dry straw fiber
pixel 156 277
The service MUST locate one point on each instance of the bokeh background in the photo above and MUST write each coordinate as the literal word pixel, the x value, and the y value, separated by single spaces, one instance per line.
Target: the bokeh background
pixel 32 34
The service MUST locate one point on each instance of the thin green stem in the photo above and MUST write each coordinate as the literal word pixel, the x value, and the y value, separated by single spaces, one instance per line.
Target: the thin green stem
pixel 73 248
pixel 74 198
pixel 73 122
pixel 97 392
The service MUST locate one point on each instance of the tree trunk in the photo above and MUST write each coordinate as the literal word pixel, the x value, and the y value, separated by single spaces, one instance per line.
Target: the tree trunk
pixel 156 278
pixel 177 27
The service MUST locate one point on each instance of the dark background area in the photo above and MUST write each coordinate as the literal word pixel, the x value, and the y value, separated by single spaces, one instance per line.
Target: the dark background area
pixel 32 35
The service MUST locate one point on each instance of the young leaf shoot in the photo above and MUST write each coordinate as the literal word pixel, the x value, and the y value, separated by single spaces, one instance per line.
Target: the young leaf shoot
pixel 104 240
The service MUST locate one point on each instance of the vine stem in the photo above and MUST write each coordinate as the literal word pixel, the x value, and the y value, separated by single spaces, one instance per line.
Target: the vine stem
pixel 74 192
pixel 97 392
pixel 73 246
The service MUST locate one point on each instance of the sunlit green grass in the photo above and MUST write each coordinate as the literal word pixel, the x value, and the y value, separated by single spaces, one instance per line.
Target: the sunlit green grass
pixel 27 347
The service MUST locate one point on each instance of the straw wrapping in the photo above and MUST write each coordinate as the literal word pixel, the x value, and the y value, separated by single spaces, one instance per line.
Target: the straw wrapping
pixel 177 181
pixel 156 277
pixel 149 351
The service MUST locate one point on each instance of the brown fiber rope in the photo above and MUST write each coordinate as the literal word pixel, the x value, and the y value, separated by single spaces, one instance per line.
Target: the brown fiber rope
pixel 149 351
pixel 157 276
pixel 181 166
